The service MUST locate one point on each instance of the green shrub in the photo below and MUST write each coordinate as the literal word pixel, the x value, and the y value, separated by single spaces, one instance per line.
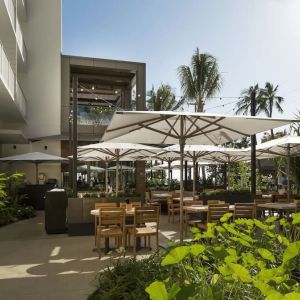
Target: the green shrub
pixel 245 259
pixel 127 280
pixel 25 212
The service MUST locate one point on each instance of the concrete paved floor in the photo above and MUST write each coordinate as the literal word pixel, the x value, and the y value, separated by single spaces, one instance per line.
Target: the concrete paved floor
pixel 34 265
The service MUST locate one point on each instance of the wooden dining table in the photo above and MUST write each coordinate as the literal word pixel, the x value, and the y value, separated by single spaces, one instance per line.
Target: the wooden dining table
pixel 278 206
pixel 201 208
pixel 95 212
pixel 185 199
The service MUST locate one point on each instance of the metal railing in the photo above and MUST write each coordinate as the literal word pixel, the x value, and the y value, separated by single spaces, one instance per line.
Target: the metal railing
pixel 6 73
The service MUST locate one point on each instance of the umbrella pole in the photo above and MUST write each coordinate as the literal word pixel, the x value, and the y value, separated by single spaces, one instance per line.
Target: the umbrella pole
pixel 169 175
pixel 181 143
pixel 36 173
pixel 106 176
pixel 288 170
pixel 117 173
pixel 194 176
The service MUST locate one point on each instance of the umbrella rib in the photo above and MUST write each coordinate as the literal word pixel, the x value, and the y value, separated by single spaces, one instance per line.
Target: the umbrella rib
pixel 192 124
pixel 158 131
pixel 134 124
pixel 172 126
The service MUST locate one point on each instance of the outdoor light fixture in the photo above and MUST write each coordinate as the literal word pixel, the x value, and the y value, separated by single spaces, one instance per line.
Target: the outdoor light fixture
pixel 81 90
pixel 116 92
pixel 93 87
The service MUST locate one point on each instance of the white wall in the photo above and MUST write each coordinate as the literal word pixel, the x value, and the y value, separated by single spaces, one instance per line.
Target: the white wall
pixel 52 170
pixel 41 82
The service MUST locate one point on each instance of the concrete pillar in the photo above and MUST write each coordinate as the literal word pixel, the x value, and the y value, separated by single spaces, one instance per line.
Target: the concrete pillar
pixel 141 87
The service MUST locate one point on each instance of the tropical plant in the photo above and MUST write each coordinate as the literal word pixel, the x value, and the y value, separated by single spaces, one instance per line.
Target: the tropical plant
pixel 243 106
pixel 271 101
pixel 163 99
pixel 201 80
pixel 244 259
pixel 127 279
pixel 295 127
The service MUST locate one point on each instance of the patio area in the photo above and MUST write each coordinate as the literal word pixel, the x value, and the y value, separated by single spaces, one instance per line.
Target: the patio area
pixel 54 266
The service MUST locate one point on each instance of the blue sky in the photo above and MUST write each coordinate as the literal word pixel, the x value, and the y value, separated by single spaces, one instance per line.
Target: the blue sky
pixel 254 40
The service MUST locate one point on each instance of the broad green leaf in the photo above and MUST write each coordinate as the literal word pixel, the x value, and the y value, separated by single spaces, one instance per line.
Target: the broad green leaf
pixel 195 230
pixel 214 279
pixel 197 249
pixel 157 291
pixel 291 296
pixel 266 254
pixel 261 225
pixel 176 255
pixel 292 250
pixel 296 218
pixel 175 289
pixel 283 240
pixel 226 217
pixel 241 272
pixel 186 292
pixel 274 296
pixel 225 270
pixel 249 259
pixel 241 241
pixel 266 289
pixel 271 219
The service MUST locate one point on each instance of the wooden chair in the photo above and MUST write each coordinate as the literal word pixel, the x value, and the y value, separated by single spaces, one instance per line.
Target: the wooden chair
pixel 284 200
pixel 214 214
pixel 173 208
pixel 101 205
pixel 146 224
pixel 210 202
pixel 111 224
pixel 133 204
pixel 297 202
pixel 261 212
pixel 244 210
pixel 150 202
pixel 192 219
pixel 192 202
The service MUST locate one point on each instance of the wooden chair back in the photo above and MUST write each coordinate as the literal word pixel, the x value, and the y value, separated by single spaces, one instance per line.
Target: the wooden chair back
pixel 133 204
pixel 111 216
pixel 244 210
pixel 284 200
pixel 209 202
pixel 105 204
pixel 216 211
pixel 297 202
pixel 193 202
pixel 148 196
pixel 143 215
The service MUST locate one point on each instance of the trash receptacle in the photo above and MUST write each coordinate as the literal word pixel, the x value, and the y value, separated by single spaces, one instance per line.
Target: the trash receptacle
pixel 55 211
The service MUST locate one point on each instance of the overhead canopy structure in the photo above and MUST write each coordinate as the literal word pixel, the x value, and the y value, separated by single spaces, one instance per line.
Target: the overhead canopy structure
pixel 183 128
pixel 34 157
pixel 285 146
pixel 115 151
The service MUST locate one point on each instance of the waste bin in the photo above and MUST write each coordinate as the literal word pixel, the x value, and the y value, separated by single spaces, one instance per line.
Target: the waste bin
pixel 55 211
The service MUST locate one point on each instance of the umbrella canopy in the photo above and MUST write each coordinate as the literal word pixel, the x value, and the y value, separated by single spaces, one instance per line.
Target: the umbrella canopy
pixel 115 151
pixel 286 146
pixel 34 157
pixel 122 168
pixel 184 128
pixel 85 168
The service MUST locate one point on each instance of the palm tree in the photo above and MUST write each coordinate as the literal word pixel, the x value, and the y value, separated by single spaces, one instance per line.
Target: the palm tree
pixel 163 99
pixel 295 127
pixel 244 105
pixel 271 100
pixel 201 79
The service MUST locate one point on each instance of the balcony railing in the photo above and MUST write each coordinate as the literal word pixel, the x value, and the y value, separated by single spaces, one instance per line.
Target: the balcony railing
pixel 20 100
pixel 6 73
pixel 96 116
pixel 20 41
pixel 11 12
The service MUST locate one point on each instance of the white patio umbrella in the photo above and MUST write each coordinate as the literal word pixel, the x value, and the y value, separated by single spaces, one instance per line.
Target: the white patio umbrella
pixel 84 168
pixel 285 146
pixel 115 151
pixel 34 157
pixel 164 127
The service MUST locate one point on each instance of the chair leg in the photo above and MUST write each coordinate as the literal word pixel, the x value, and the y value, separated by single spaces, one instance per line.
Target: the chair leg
pixel 134 245
pixel 173 215
pixel 149 240
pixel 99 245
pixel 157 242
pixel 168 216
